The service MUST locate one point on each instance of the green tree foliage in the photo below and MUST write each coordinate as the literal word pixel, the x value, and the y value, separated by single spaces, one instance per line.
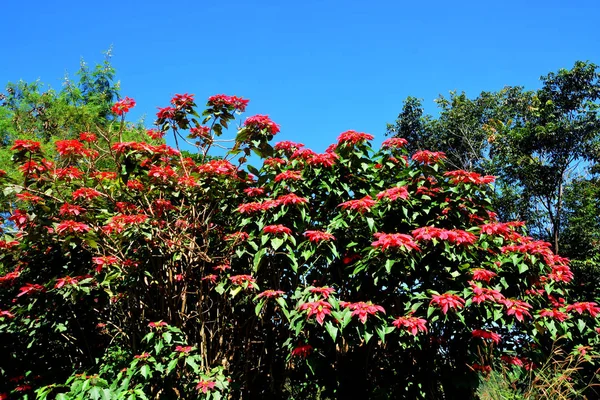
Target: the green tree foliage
pixel 541 144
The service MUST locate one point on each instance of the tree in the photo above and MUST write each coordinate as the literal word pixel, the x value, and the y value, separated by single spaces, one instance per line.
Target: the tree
pixel 354 273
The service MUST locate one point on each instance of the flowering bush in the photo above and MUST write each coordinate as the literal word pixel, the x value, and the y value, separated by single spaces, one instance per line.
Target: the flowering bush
pixel 354 272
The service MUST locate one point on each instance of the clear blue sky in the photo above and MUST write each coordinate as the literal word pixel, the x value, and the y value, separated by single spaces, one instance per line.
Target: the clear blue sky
pixel 316 67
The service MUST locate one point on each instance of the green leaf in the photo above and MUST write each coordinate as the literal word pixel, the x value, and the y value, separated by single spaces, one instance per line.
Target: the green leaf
pixel 259 307
pixel 145 371
pixel 172 365
pixel 332 330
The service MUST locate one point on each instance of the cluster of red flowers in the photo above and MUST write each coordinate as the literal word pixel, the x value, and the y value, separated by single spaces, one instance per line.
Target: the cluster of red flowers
pixel 412 324
pixel 290 175
pixel 200 132
pixel 237 236
pixel 484 275
pixel 72 148
pixel 322 291
pixel 478 333
pixel 234 102
pixel 325 160
pixel 119 223
pixel 262 122
pixel 454 236
pixel 73 227
pixel 270 294
pixel 162 174
pixel 447 301
pixel 183 100
pixel 362 309
pixel 393 194
pixel 86 194
pixel 462 176
pixel 554 314
pixel 205 386
pixel 353 137
pixel 428 157
pixel 274 162
pixel 243 280
pixel 504 229
pixel 319 308
pixel 481 294
pixel 302 350
pixel 26 145
pixel 69 173
pixel 88 137
pixel 318 236
pixel 361 205
pixel 286 200
pixel 394 240
pixel 277 230
pixel 123 106
pixel 71 209
pixel 217 167
pixel 589 307
pixel 518 308
pixel 28 197
pixel 288 146
pixel 394 143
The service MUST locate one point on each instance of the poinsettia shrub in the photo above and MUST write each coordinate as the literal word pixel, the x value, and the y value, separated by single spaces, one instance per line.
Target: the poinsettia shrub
pixel 133 270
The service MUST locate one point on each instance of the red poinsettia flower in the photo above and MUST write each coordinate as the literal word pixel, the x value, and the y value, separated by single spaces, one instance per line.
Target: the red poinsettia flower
pixel 123 106
pixel 205 386
pixel 413 324
pixel 319 308
pixel 447 301
pixel 364 309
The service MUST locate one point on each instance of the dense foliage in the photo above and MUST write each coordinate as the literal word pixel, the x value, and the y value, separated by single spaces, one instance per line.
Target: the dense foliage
pixel 354 273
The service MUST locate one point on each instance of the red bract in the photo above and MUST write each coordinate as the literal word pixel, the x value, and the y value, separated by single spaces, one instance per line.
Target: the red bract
pixel 461 176
pixel 303 154
pixel 88 137
pixel 319 308
pixel 288 146
pixel 262 122
pixel 71 227
pixel 361 205
pixel 290 199
pixel 161 174
pixel 237 236
pixel 481 294
pixel 270 294
pixel 394 143
pixel 393 194
pixel 165 113
pixel 30 288
pixel 289 175
pixel 325 160
pixel 252 192
pixel 302 350
pixel 104 261
pixel 394 240
pixel 363 310
pixel 242 280
pixel 323 291
pixel 183 100
pixel 277 230
pixel 554 314
pixel 86 194
pixel 428 157
pixel 518 308
pixel 233 102
pixel 205 386
pixel 353 137
pixel 123 106
pixel 67 280
pixel 68 148
pixel 28 197
pixel 483 275
pixel 478 333
pixel 454 236
pixel 412 324
pixel 222 267
pixel 6 314
pixel 318 236
pixel 26 145
pixel 184 349
pixel 590 307
pixel 20 218
pixel 249 208
pixel 274 162
pixel 447 301
pixel 512 360
pixel 69 173
pixel 217 167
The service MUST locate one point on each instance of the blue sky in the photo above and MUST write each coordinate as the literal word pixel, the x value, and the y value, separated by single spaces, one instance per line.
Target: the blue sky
pixel 317 68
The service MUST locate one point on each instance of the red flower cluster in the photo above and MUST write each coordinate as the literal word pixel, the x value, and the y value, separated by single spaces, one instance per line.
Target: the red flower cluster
pixel 165 113
pixel 481 294
pixel 68 148
pixel 200 132
pixel 454 236
pixel 233 102
pixel 325 160
pixel 288 146
pixel 88 137
pixel 122 106
pixel 71 209
pixel 361 205
pixel 394 240
pixel 554 314
pixel 241 280
pixel 447 301
pixel 461 176
pixel 270 294
pixel 104 261
pixel 184 349
pixel 394 143
pixel 70 226
pixel 504 229
pixel 205 386
pixel 323 291
pixel 319 308
pixel 412 324
pixel 302 350
pixel 183 100
pixel 274 162
pixel 289 175
pixel 353 137
pixel 163 174
pixel 26 145
pixel 262 122
pixel 86 194
pixel 277 230
pixel 237 236
pixel 69 173
pixel 484 275
pixel 30 288
pixel 478 333
pixel 428 157
pixel 318 236
pixel 393 194
pixel 362 309
pixel 591 307
pixel 217 167
pixel 518 308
